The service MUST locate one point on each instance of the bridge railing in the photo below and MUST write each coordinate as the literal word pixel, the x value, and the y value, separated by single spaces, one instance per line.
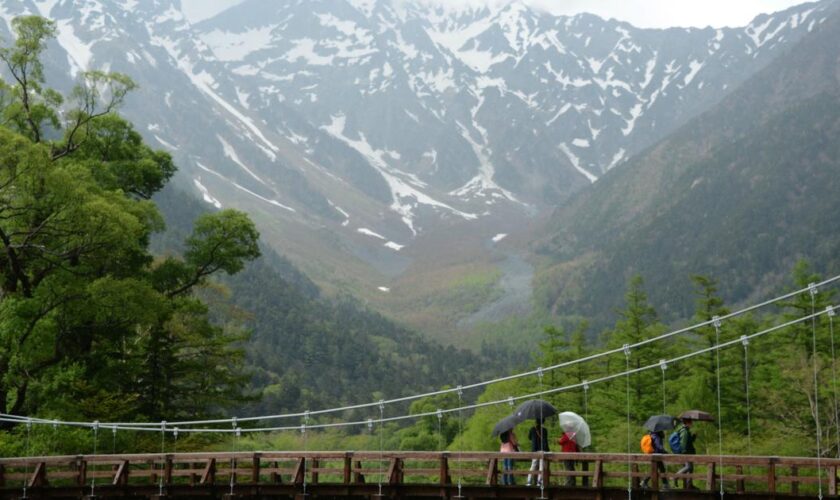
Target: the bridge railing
pixel 740 474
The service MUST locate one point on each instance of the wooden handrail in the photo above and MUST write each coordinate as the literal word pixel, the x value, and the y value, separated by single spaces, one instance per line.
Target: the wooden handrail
pixel 742 474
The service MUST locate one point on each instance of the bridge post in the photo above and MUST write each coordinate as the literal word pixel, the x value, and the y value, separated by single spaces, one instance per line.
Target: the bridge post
pixel 314 470
pixel 771 476
pixel 2 476
pixel 444 469
pixel 39 477
pixel 739 484
pixel 255 468
pixel 167 470
pixel 121 476
pixel 546 472
pixel 654 474
pixel 794 485
pixel 711 477
pixel 348 467
pixel 832 480
pixel 493 472
pixel 81 465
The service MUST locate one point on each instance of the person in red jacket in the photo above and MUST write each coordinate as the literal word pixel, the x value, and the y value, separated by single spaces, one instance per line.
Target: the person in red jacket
pixel 569 445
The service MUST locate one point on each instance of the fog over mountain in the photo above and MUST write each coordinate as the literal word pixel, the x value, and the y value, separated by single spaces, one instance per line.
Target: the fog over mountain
pixel 353 129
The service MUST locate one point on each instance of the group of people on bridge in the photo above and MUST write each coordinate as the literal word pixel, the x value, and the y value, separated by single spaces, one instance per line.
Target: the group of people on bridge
pixel 681 441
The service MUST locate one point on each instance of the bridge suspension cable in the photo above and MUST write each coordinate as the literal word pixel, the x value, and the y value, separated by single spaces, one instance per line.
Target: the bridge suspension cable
pixel 186 423
pixel 581 385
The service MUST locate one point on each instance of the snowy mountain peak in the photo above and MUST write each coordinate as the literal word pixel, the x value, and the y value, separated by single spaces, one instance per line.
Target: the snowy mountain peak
pixel 402 115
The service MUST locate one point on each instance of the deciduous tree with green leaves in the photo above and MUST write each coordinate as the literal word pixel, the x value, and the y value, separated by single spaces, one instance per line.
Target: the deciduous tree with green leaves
pixel 91 324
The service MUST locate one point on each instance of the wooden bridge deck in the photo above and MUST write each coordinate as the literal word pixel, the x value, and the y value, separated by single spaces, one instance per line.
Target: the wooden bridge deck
pixel 407 475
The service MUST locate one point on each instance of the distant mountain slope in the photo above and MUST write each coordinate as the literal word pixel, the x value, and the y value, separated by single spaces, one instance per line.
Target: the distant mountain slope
pixel 363 137
pixel 382 119
pixel 739 194
pixel 308 351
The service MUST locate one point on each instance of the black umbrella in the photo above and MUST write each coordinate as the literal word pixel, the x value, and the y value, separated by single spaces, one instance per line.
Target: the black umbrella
pixel 536 409
pixel 505 424
pixel 658 423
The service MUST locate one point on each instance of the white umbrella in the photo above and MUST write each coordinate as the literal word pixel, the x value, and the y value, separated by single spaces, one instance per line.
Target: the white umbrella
pixel 571 422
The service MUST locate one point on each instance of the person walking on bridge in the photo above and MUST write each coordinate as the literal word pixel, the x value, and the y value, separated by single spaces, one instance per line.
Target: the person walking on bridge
pixel 685 438
pixel 539 442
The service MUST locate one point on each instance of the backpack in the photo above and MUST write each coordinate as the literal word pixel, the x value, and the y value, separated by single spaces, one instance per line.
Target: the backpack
pixel 675 440
pixel 647 444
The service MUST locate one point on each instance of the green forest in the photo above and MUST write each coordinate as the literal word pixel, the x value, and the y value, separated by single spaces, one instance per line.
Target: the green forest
pixel 107 313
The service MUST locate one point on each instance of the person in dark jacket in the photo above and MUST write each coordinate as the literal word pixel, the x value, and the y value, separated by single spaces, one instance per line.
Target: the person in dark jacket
pixel 687 445
pixel 658 441
pixel 538 435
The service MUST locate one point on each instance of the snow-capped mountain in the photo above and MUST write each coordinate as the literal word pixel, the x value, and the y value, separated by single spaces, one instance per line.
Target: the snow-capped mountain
pixel 362 124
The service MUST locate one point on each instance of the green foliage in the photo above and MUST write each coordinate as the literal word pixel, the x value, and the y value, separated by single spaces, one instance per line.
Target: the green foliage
pixel 771 381
pixel 90 325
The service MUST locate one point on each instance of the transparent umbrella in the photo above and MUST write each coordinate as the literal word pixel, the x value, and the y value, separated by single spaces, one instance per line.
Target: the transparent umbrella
pixel 571 422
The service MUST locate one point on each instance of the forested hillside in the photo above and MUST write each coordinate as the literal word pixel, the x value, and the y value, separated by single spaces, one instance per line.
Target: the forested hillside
pixel 740 194
pixel 310 351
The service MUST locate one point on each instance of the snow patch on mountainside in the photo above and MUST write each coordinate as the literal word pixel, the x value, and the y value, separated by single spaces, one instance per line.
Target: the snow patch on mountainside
pixel 205 194
pixel 237 46
pixel 402 193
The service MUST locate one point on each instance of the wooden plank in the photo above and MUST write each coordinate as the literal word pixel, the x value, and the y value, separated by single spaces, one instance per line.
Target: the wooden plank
pixel 599 474
pixel 39 476
pixel 394 471
pixel 492 472
pixel 358 477
pixel 209 474
pixel 711 477
pixel 299 474
pixel 121 476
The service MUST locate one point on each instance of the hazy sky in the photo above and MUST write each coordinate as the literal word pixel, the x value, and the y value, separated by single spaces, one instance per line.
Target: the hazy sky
pixel 642 13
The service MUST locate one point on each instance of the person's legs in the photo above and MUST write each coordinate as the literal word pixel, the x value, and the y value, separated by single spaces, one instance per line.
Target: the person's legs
pixel 535 463
pixel 570 466
pixel 508 479
pixel 687 469
pixel 662 470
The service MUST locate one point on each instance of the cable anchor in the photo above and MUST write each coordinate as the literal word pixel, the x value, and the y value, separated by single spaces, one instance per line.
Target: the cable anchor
pixel 510 401
pixel 812 289
pixel 626 349
pixel 663 364
pixel 830 311
pixel 540 373
pixel 233 422
pixel 716 322
pixel 745 341
pixel 439 414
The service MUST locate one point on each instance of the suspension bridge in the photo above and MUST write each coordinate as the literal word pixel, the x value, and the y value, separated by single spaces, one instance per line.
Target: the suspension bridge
pixel 452 474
